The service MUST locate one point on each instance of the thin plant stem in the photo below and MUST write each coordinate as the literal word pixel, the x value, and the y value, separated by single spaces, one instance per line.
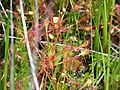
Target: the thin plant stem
pixel 3 9
pixel 12 50
pixel 28 47
pixel 91 44
pixel 36 23
pixel 104 66
pixel 6 54
pixel 97 23
pixel 108 64
pixel 105 27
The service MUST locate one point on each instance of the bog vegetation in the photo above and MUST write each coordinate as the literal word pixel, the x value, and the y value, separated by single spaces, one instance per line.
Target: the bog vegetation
pixel 59 44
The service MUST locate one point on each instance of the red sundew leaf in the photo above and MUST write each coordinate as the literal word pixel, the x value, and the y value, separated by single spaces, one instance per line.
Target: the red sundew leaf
pixel 86 28
pixel 84 52
pixel 31 36
pixel 67 65
pixel 85 44
pixel 63 29
pixel 95 88
pixel 66 49
pixel 39 74
pixel 75 65
pixel 87 83
pixel 51 60
pixel 76 48
pixel 42 8
pixel 72 62
pixel 76 8
pixel 73 81
pixel 52 57
pixel 72 89
pixel 117 10
pixel 56 26
pixel 46 22
pixel 118 34
pixel 51 27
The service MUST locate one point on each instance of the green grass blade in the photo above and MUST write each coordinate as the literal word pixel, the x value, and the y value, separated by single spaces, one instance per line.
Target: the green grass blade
pixel 105 25
pixel 92 45
pixel 103 62
pixel 6 54
pixel 97 23
pixel 109 41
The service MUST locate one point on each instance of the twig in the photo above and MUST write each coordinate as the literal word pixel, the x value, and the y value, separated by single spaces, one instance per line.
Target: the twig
pixel 100 78
pixel 2 35
pixel 3 9
pixel 92 51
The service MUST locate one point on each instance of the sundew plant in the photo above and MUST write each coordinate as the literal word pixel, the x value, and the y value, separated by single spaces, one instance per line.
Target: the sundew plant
pixel 59 44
